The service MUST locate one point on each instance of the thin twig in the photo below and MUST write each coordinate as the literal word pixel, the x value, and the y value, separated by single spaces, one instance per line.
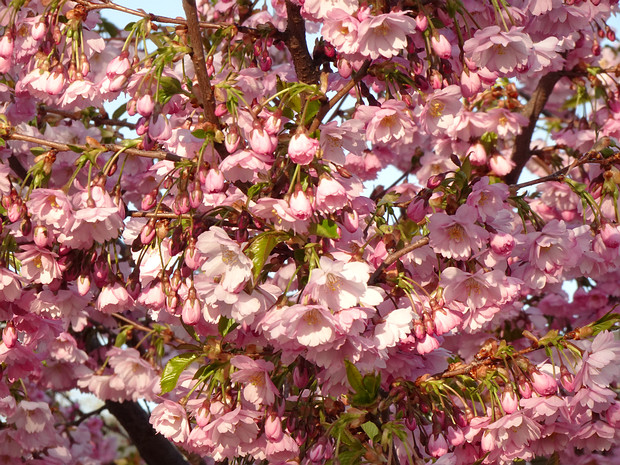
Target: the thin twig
pixel 99 120
pixel 357 77
pixel 159 18
pixel 109 147
pixel 395 256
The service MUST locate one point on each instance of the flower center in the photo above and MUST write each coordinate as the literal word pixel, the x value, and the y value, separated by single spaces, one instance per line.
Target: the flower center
pixel 456 232
pixel 436 108
pixel 333 282
pixel 229 257
pixel 257 379
pixel 312 317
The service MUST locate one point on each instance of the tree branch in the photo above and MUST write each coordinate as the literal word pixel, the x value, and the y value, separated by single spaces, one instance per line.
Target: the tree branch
pixel 295 39
pixel 339 95
pixel 521 153
pixel 205 91
pixel 395 256
pixel 153 447
pixel 109 147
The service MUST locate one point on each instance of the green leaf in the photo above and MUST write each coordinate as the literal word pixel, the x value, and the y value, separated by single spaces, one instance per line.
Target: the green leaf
pixel 326 228
pixel 121 338
pixel 354 377
pixel 350 457
pixel 226 325
pixel 119 111
pixel 170 85
pixel 173 370
pixel 36 151
pixel 255 189
pixel 370 429
pixel 261 247
pixel 605 323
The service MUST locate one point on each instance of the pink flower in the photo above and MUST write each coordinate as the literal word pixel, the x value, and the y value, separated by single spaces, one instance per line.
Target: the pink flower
pixel 32 417
pixel 118 65
pixel 302 149
pixel 159 128
pixel 261 141
pixel 309 325
pixel 474 290
pixel 487 198
pixel 500 51
pixel 145 105
pixel 170 420
pixel 330 195
pixel 230 431
pixel 385 35
pixel 441 108
pixel 340 29
pixel 50 207
pixel 114 298
pixel 10 285
pixel 393 328
pixel 259 389
pixel 282 450
pixel 38 265
pixel 441 46
pixel 338 285
pixel 214 181
pixel 597 366
pixel 456 236
pixel 392 122
pixel 136 376
pixel 273 428
pixel 9 335
pixel 224 259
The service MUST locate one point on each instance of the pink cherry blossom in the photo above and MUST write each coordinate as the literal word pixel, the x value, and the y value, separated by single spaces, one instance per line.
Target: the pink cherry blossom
pixel 384 35
pixel 259 389
pixel 170 420
pixel 457 236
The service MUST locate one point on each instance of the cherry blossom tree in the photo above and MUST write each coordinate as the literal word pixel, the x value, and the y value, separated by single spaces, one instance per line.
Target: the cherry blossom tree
pixel 188 234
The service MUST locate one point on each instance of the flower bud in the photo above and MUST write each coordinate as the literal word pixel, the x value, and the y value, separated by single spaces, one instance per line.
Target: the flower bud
pixel 301 208
pixel 273 428
pixel 302 149
pixel 502 244
pixel 543 384
pixel 214 181
pixel 441 46
pixel 9 335
pixel 145 105
pixel 509 401
pixel 83 284
pixel 477 154
pixel 191 312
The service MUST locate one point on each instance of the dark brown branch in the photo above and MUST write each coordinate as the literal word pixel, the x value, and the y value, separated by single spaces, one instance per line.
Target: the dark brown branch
pixel 395 256
pixel 532 109
pixel 205 91
pixel 153 447
pixel 295 39
pixel 357 77
pixel 109 147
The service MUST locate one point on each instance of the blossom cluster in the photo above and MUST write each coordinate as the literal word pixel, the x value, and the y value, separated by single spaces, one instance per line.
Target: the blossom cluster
pixel 207 241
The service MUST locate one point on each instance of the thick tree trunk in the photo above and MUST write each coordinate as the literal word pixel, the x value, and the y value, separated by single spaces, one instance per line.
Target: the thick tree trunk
pixel 152 446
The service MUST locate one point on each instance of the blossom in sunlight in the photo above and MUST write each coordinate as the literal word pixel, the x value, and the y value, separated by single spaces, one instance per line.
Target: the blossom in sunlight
pixel 457 236
pixel 259 389
pixel 385 35
pixel 224 259
pixel 497 50
pixel 339 285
